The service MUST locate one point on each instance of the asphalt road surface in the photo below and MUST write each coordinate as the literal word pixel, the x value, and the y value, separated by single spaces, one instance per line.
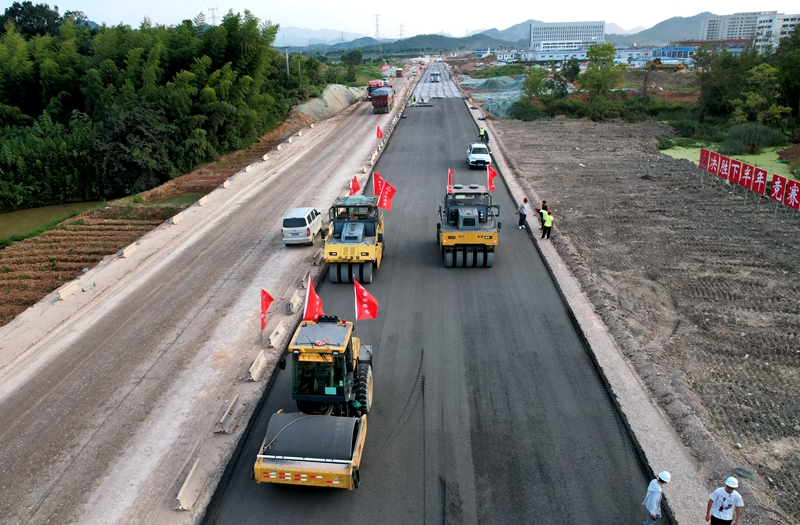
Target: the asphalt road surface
pixel 487 407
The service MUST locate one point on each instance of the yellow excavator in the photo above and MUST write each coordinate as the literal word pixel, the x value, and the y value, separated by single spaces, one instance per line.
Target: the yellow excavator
pixel 322 444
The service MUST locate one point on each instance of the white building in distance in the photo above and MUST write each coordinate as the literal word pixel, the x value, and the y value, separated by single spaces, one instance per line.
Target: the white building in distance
pixel 765 28
pixel 566 36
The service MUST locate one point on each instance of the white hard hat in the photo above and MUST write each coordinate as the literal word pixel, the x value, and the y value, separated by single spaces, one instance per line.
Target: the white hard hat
pixel 732 482
pixel 664 476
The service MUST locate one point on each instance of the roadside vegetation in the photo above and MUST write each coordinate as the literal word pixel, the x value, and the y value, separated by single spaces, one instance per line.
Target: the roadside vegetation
pixel 740 103
pixel 106 112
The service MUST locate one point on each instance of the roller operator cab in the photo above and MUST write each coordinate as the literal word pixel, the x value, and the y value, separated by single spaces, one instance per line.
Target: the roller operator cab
pixel 321 445
pixel 435 77
pixel 468 230
pixel 354 241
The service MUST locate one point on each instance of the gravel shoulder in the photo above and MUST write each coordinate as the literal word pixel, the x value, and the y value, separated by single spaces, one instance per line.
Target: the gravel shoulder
pixel 698 289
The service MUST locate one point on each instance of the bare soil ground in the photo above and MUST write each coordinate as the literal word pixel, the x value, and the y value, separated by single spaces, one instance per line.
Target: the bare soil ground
pixel 32 268
pixel 701 291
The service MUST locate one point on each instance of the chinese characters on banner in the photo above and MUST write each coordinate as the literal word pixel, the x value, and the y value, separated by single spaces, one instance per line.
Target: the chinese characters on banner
pixel 791 196
pixel 387 193
pixel 450 174
pixel 778 185
pixel 783 190
pixel 266 300
pixel 377 183
pixel 366 304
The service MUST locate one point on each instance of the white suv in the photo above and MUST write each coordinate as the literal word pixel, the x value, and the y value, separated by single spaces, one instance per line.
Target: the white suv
pixel 478 155
pixel 301 226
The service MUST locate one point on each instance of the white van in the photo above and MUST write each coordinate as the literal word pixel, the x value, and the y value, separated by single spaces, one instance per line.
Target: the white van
pixel 301 226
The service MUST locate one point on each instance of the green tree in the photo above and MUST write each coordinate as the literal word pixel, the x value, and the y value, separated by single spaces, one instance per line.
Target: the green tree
pixel 571 69
pixel 602 75
pixel 32 20
pixel 534 84
pixel 787 60
pixel 760 103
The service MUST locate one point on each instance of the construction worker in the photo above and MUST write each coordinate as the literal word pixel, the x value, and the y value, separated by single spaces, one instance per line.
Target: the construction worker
pixel 548 224
pixel 482 135
pixel 421 99
pixel 413 100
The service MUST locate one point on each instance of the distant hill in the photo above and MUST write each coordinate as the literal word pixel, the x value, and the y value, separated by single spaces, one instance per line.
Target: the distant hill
pixel 423 44
pixel 514 33
pixel 298 36
pixel 675 28
pixel 617 30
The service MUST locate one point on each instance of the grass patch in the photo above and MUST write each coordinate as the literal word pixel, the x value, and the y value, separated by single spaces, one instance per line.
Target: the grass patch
pixel 750 139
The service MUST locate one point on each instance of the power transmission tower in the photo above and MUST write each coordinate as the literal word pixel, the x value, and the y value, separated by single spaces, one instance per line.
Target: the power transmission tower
pixel 378 33
pixel 212 12
pixel 401 31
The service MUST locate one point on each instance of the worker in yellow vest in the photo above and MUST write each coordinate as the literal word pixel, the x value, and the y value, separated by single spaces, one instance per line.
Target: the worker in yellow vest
pixel 548 224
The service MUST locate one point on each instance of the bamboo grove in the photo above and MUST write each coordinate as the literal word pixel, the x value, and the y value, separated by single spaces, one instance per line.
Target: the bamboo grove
pixel 99 113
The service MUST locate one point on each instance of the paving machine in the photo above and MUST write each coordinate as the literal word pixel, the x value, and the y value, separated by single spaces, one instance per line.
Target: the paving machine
pixel 468 228
pixel 321 445
pixel 354 241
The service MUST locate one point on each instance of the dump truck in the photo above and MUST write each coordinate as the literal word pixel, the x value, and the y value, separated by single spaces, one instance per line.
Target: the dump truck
pixel 372 86
pixel 657 65
pixel 382 100
pixel 468 229
pixel 354 240
pixel 322 444
pixel 398 72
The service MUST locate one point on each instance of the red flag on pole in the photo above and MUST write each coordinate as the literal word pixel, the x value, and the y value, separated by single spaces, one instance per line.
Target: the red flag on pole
pixel 266 300
pixel 387 193
pixel 379 133
pixel 366 305
pixel 313 304
pixel 377 183
pixel 490 174
pixel 354 187
pixel 450 174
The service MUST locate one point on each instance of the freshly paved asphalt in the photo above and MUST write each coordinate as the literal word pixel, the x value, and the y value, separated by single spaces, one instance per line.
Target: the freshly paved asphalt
pixel 487 406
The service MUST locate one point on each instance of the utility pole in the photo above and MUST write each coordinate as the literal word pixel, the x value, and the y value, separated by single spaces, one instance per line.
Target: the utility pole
pixel 212 11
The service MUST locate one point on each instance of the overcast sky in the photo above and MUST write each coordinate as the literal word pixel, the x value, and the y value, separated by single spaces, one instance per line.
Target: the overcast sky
pixel 455 18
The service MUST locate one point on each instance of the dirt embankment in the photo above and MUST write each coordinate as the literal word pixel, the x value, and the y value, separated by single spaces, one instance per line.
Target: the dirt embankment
pixel 701 291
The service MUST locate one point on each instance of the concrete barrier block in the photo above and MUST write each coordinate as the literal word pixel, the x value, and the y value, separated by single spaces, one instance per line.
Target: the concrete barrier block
pixel 231 416
pixel 306 279
pixel 248 168
pixel 67 290
pixel 256 370
pixel 364 169
pixel 299 133
pixel 265 157
pixel 289 140
pixel 203 201
pixel 178 217
pixel 88 287
pixel 276 335
pixel 227 183
pixel 129 250
pixel 294 304
pixel 317 260
pixel 192 486
pixel 312 126
pixel 278 147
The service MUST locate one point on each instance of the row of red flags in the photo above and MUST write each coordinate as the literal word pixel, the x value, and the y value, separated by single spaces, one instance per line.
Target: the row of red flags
pixel 783 190
pixel 490 175
pixel 366 304
pixel 380 187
